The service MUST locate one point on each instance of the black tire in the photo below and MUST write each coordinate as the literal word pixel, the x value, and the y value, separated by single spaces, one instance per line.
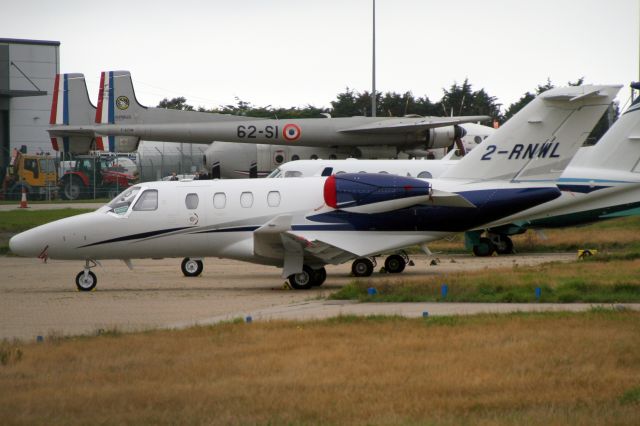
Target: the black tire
pixel 191 267
pixel 394 264
pixel 71 188
pixel 318 277
pixel 86 283
pixel 505 246
pixel 484 248
pixel 362 267
pixel 303 280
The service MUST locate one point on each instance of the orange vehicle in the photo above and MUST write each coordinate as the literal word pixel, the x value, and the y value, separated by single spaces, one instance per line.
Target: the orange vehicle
pixel 35 173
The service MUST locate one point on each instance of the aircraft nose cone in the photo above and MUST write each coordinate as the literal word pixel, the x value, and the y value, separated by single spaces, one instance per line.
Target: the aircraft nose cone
pixel 23 245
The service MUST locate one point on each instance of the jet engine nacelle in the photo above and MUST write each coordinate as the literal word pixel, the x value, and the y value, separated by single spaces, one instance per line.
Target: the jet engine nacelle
pixel 374 193
pixel 443 137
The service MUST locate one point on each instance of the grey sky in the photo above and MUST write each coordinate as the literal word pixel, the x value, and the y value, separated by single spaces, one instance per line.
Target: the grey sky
pixel 288 52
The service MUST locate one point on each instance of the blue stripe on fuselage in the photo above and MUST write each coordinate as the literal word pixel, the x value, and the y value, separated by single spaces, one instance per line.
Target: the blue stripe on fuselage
pixel 491 205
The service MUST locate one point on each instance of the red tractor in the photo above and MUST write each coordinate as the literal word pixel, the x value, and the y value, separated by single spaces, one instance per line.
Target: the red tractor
pixel 97 177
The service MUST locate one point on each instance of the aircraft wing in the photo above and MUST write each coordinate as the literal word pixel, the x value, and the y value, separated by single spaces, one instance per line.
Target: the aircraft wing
pixel 404 125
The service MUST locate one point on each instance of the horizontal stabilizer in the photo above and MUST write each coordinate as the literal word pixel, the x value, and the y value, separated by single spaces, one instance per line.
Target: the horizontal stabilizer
pixel 404 125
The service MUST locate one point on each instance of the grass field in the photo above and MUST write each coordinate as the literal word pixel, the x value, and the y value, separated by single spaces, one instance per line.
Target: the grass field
pixel 598 280
pixel 488 369
pixel 614 234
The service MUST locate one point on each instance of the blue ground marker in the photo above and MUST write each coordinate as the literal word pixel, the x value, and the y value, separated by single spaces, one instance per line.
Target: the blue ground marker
pixel 444 290
pixel 248 318
pixel 538 293
pixel 372 291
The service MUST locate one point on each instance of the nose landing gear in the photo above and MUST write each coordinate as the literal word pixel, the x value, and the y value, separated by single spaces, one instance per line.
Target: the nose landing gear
pixel 87 280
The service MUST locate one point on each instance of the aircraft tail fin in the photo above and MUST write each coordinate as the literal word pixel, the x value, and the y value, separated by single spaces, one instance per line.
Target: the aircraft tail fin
pixel 619 148
pixel 71 106
pixel 117 104
pixel 540 140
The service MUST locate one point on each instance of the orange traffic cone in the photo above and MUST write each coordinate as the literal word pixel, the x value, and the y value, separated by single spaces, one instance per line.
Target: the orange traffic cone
pixel 23 201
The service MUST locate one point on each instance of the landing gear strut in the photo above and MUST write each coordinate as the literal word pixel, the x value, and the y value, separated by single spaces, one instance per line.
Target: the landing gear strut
pixel 87 280
pixel 191 267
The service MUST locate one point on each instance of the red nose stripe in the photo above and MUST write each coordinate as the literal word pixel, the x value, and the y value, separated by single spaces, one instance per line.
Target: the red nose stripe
pixel 330 197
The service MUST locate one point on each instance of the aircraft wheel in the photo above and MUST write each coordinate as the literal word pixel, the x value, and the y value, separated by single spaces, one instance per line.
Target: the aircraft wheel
pixel 86 282
pixel 191 267
pixel 362 267
pixel 484 248
pixel 394 264
pixel 318 277
pixel 303 280
pixel 71 189
pixel 505 246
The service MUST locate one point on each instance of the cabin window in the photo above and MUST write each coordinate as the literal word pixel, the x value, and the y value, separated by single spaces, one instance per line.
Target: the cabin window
pixel 191 201
pixel 273 199
pixel 295 157
pixel 246 199
pixel 314 157
pixel 292 173
pixel 383 172
pixel 424 175
pixel 477 139
pixel 219 200
pixel 148 201
pixel 279 159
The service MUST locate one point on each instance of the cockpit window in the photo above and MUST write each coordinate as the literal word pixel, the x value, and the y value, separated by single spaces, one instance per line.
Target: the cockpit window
pixel 121 203
pixel 148 201
pixel 275 173
pixel 292 173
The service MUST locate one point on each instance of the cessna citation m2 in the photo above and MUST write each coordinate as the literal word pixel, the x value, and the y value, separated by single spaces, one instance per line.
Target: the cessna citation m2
pixel 301 225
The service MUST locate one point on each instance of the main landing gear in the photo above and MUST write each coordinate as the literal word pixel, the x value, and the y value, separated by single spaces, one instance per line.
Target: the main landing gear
pixel 393 264
pixel 308 278
pixel 87 280
pixel 501 244
pixel 191 267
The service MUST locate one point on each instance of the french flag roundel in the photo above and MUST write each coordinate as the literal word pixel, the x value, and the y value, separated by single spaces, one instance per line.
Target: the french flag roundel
pixel 291 132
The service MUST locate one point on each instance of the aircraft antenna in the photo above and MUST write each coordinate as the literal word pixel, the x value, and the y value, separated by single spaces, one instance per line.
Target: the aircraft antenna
pixel 373 73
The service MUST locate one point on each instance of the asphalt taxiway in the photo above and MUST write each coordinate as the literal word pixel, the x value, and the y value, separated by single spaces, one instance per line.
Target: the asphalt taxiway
pixel 38 299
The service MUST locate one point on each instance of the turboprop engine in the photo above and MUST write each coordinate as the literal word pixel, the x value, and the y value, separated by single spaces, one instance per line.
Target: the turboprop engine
pixel 377 193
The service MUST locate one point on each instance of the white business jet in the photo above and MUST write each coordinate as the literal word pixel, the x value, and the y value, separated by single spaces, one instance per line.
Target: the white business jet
pixel 301 225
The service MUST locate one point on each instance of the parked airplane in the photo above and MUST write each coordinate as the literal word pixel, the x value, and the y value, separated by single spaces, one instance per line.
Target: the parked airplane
pixel 303 224
pixel 601 182
pixel 121 121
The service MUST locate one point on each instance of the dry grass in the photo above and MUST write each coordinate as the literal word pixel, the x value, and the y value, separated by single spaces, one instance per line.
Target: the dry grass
pixel 534 369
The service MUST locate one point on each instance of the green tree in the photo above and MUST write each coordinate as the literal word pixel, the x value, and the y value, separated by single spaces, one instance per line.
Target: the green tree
pixel 175 103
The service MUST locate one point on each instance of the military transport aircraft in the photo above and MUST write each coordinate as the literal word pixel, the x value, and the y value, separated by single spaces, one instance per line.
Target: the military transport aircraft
pixel 601 182
pixel 120 122
pixel 302 225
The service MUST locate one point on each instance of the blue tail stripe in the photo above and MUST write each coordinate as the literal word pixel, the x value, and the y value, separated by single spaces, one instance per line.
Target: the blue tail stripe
pixel 65 144
pixel 65 101
pixel 111 100
pixel 112 144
